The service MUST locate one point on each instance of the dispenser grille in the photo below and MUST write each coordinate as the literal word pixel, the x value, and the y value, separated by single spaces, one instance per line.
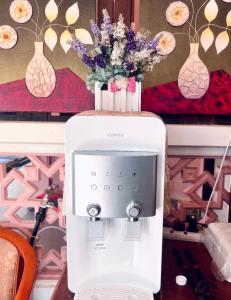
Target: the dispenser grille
pixel 114 293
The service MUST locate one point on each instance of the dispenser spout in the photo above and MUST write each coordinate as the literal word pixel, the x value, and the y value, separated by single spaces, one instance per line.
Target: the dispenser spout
pixel 96 229
pixel 133 219
pixel 94 219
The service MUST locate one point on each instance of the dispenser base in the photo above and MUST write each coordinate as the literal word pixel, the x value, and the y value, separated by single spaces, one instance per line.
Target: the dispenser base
pixel 114 293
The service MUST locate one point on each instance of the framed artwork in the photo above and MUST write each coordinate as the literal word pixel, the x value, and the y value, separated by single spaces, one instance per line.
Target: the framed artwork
pixel 202 25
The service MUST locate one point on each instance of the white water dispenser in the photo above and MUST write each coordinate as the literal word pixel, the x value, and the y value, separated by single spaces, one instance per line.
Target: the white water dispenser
pixel 114 190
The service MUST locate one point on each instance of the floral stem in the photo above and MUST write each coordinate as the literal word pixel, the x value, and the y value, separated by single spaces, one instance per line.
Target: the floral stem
pixel 191 37
pixel 45 21
pixel 27 29
pixel 191 21
pixel 52 24
pixel 42 28
pixel 183 33
pixel 36 26
pixel 211 24
pixel 60 3
pixel 38 13
pixel 198 11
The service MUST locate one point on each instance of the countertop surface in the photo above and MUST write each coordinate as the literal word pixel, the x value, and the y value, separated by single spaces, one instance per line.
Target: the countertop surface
pixel 169 289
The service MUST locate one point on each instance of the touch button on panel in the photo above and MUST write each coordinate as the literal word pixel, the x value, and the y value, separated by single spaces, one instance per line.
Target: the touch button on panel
pixel 93 187
pixel 107 187
pixel 120 187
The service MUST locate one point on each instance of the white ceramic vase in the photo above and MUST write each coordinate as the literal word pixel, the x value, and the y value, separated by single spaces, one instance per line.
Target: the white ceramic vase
pixel 193 80
pixel 40 75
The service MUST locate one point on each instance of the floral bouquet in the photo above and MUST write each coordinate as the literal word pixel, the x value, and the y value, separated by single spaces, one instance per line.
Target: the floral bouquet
pixel 119 52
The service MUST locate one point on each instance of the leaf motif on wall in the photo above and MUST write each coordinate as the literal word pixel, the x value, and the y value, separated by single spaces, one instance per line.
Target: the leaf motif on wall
pixel 72 14
pixel 84 36
pixel 65 40
pixel 211 10
pixel 207 38
pixel 222 41
pixel 51 10
pixel 50 38
pixel 228 19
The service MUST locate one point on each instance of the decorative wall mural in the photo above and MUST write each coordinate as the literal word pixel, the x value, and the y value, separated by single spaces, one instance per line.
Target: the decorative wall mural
pixel 166 98
pixel 8 37
pixel 167 42
pixel 40 74
pixel 177 13
pixel 70 96
pixel 193 80
pixel 21 11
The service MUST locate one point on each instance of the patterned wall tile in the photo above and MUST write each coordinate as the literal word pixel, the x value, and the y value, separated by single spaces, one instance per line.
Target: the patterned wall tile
pixel 187 177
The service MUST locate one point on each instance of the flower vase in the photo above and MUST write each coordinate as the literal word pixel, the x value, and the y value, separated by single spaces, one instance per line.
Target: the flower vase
pixel 193 80
pixel 40 75
pixel 121 100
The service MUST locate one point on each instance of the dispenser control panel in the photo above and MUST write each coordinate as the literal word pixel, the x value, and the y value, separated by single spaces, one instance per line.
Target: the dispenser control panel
pixel 114 184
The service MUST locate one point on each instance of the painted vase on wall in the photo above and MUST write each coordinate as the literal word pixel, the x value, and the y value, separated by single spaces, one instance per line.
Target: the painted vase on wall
pixel 193 80
pixel 40 75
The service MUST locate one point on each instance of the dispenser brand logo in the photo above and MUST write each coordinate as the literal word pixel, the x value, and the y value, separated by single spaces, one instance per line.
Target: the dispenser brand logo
pixel 115 135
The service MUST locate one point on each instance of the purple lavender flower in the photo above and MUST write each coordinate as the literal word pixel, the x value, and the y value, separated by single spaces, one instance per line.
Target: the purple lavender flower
pixel 107 26
pixel 103 50
pixel 142 43
pixel 131 46
pixel 88 61
pixel 153 43
pixel 95 30
pixel 79 47
pixel 129 66
pixel 112 40
pixel 130 35
pixel 100 61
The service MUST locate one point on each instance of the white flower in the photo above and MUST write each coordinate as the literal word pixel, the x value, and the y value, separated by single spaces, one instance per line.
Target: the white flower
pixel 118 53
pixel 142 55
pixel 119 28
pixel 142 35
pixel 105 38
pixel 153 60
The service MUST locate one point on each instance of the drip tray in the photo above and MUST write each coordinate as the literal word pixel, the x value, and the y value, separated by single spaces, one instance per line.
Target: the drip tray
pixel 114 293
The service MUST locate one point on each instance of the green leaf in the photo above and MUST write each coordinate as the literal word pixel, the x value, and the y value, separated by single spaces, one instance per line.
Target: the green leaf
pixel 98 50
pixel 103 74
pixel 109 74
pixel 119 70
pixel 139 77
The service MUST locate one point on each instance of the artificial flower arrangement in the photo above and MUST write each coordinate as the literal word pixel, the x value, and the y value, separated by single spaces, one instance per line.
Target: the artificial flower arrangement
pixel 120 54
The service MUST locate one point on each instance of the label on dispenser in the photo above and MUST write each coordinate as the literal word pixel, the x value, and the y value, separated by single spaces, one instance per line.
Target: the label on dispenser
pixel 114 179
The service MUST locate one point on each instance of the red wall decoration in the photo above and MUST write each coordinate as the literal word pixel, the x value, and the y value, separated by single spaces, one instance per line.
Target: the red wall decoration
pixel 69 96
pixel 167 99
